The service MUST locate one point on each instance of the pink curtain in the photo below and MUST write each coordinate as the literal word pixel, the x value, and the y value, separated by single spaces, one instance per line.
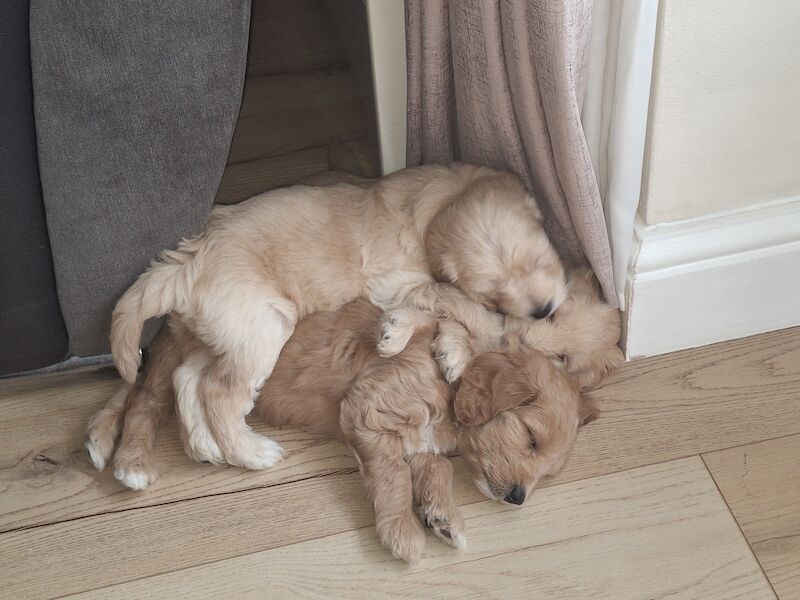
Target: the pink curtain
pixel 501 82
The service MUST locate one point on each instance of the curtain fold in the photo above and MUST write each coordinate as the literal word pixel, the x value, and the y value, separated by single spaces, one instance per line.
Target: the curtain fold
pixel 135 106
pixel 501 82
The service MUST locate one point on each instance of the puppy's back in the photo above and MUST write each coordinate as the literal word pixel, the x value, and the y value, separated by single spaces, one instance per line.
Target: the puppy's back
pixel 327 354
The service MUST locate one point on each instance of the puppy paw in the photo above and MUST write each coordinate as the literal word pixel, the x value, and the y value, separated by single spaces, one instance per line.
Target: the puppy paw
pixel 453 356
pixel 403 536
pixel 104 429
pixel 134 480
pixel 99 450
pixel 445 523
pixel 135 468
pixel 395 330
pixel 257 453
pixel 201 447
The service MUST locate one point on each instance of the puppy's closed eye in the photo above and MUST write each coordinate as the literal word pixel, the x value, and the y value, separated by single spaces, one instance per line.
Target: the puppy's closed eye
pixel 532 441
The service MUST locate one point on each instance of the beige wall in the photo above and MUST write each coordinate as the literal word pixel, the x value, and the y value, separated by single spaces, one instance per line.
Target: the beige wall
pixel 724 125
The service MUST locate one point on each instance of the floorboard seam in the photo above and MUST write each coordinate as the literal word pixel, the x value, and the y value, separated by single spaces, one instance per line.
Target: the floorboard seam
pixel 348 471
pixel 738 526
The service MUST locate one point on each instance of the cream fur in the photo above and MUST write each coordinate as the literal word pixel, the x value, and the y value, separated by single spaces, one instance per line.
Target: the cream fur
pixel 259 266
pixel 396 414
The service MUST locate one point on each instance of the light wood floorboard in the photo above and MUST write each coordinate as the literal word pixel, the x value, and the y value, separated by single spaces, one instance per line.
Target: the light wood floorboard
pixel 69 529
pixel 266 94
pixel 246 179
pixel 654 410
pixel 285 131
pixel 761 484
pixel 629 535
pixel 295 36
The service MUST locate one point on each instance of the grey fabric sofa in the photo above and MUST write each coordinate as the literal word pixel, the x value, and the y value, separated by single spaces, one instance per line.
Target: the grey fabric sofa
pixel 133 108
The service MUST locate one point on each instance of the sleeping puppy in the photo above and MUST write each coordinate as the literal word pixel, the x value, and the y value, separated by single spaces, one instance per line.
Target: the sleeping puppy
pixel 447 240
pixel 514 416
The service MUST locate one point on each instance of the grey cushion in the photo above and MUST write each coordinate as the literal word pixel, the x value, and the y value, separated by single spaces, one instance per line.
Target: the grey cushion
pixel 135 108
pixel 32 333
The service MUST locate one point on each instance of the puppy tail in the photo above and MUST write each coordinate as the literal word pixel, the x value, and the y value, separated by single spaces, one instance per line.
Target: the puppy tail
pixel 164 287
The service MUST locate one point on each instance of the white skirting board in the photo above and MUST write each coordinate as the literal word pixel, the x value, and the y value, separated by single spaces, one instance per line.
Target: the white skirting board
pixel 716 278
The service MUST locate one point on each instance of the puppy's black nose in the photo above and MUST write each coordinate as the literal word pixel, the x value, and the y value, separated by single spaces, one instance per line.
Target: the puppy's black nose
pixel 516 495
pixel 543 311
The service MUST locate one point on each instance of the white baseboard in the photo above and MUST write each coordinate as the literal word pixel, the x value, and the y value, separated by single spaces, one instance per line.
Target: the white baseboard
pixel 725 276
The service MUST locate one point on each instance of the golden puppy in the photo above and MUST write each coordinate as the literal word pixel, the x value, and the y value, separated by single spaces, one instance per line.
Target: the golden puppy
pixel 261 265
pixel 514 416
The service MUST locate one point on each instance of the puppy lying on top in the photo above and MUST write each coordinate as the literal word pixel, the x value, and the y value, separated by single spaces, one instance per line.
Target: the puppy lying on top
pixel 514 415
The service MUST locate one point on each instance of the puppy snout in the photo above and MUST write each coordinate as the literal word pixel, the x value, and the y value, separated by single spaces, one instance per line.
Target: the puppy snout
pixel 516 495
pixel 542 312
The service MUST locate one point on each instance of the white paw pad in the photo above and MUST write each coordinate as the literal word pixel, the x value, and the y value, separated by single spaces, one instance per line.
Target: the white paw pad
pixel 133 480
pixel 453 361
pixel 263 454
pixel 97 457
pixel 396 329
pixel 446 531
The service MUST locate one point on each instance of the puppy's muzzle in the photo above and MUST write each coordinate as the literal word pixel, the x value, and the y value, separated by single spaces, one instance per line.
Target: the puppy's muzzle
pixel 516 495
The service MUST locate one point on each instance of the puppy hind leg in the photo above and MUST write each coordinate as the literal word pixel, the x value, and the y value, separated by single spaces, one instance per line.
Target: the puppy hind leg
pixel 134 463
pixel 232 381
pixel 104 428
pixel 432 480
pixel 198 441
pixel 228 398
pixel 249 341
pixel 148 407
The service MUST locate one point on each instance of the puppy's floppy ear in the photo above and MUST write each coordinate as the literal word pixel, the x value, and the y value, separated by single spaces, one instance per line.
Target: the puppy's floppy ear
pixel 475 389
pixel 587 410
pixel 488 387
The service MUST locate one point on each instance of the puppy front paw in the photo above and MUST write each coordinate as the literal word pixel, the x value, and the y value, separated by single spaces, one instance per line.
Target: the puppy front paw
pixel 452 355
pixel 403 536
pixel 446 524
pixel 394 331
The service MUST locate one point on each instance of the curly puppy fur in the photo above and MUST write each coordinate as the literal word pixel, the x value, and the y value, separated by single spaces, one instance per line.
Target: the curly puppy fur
pixel 514 416
pixel 261 265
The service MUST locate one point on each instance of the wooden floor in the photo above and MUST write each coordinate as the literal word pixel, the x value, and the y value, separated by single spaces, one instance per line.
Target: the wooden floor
pixel 687 487
pixel 307 106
